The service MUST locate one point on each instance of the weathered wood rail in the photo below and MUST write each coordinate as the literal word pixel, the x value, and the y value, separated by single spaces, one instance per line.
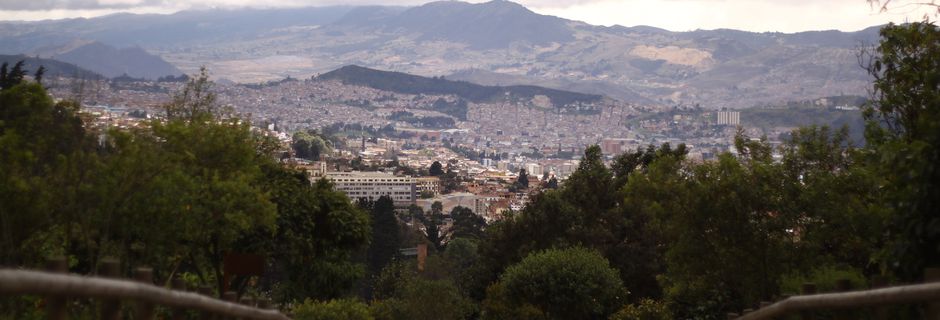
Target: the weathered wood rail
pixel 57 287
pixel 842 303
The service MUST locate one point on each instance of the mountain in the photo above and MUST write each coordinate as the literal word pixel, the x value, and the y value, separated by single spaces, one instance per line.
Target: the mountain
pixel 113 62
pixel 54 68
pixel 412 84
pixel 497 40
pixel 490 25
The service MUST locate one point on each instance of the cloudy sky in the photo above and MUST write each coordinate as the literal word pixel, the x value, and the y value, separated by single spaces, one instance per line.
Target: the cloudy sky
pixel 676 15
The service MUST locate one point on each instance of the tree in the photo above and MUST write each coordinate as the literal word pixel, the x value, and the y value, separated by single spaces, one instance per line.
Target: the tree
pixel 904 134
pixel 39 73
pixel 14 76
pixel 433 222
pixel 639 160
pixel 522 181
pixel 573 283
pixel 436 169
pixel 318 230
pixel 386 235
pixel 466 224
pixel 196 101
pixel 309 145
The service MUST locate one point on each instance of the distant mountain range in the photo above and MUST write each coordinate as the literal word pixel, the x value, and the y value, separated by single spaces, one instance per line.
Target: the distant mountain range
pixel 493 43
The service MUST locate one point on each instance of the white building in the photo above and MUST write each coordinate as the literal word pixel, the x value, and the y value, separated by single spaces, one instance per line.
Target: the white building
pixel 729 118
pixel 373 185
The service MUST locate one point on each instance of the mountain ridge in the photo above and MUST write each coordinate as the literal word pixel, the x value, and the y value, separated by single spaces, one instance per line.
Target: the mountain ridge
pixel 640 64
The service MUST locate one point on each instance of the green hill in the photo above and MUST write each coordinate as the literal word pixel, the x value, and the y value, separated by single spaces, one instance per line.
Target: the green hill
pixel 411 84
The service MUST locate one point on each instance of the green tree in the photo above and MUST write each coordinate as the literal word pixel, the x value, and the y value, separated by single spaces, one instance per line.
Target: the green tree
pixel 904 134
pixel 466 223
pixel 386 236
pixel 571 283
pixel 318 230
pixel 522 181
pixel 433 223
pixel 436 169
pixel 196 101
pixel 628 162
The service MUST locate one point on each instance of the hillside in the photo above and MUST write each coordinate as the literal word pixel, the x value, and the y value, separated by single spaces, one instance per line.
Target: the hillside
pixel 506 42
pixel 54 68
pixel 113 62
pixel 412 84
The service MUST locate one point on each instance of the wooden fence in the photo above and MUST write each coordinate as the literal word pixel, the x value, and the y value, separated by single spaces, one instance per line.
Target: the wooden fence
pixel 57 287
pixel 843 303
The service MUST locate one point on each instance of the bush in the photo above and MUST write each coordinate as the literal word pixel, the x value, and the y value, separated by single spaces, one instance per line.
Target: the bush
pixel 343 309
pixel 647 309
pixel 574 283
pixel 824 277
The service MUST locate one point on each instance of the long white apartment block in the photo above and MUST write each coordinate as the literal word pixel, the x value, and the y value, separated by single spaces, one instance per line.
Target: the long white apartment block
pixel 373 185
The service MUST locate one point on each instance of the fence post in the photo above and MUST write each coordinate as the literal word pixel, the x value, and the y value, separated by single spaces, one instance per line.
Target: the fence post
pixel 932 311
pixel 144 310
pixel 56 306
pixel 206 291
pixel 808 289
pixel 843 285
pixel 878 282
pixel 264 303
pixel 110 308
pixel 178 285
pixel 232 297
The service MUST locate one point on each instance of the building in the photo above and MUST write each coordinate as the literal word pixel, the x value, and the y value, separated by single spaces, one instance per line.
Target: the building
pixel 315 170
pixel 533 169
pixel 729 118
pixel 373 185
pixel 616 146
pixel 431 185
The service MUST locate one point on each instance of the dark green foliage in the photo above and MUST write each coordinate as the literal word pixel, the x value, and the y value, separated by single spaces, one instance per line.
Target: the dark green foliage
pixel 11 77
pixel 646 309
pixel 343 309
pixel 177 195
pixel 466 224
pixel 571 283
pixel 426 121
pixel 904 132
pixel 436 169
pixel 522 181
pixel 407 294
pixel 433 222
pixel 39 74
pixel 386 236
pixel 639 160
pixel 318 229
pixel 309 145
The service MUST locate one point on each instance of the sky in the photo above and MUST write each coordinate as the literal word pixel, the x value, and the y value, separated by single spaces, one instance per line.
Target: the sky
pixel 675 15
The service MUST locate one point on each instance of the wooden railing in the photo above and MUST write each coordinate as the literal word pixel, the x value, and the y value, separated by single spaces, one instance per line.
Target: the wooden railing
pixel 58 286
pixel 842 303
